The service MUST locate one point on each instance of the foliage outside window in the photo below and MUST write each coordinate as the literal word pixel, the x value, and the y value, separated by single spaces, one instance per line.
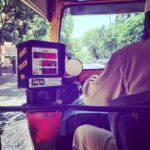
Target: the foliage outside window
pixel 98 43
pixel 19 23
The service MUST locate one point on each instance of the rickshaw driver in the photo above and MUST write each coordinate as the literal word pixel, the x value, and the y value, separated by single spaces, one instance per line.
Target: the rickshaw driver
pixel 126 73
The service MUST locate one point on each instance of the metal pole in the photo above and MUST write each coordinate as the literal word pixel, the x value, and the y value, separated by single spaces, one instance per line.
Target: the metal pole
pixel 62 108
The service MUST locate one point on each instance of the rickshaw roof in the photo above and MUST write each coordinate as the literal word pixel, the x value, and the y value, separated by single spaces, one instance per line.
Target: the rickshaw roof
pixel 44 7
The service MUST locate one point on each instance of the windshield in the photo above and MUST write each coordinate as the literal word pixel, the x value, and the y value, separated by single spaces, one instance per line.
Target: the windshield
pixel 94 37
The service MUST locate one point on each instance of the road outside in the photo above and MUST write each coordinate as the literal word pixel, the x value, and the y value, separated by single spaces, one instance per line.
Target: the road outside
pixel 15 134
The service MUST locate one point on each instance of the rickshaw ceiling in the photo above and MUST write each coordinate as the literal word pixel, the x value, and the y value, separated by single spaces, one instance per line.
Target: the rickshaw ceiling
pixel 44 7
pixel 39 6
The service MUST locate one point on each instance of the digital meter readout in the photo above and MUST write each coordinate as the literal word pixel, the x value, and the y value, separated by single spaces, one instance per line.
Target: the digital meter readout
pixel 44 61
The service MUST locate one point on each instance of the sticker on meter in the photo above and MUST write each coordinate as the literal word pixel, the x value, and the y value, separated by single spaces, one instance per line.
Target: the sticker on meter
pixel 44 82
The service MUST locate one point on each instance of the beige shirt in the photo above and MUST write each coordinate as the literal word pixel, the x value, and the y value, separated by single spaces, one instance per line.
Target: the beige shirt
pixel 127 72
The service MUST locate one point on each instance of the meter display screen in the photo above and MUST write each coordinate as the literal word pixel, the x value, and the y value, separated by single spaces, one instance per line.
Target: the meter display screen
pixel 44 61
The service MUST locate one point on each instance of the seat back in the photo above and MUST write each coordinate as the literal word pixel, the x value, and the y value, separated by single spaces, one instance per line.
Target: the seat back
pixel 131 129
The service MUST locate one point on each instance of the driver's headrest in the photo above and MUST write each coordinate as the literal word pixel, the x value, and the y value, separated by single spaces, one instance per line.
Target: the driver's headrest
pixel 147 6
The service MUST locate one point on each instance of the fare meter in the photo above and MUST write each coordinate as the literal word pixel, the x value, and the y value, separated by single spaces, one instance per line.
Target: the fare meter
pixel 40 64
pixel 40 71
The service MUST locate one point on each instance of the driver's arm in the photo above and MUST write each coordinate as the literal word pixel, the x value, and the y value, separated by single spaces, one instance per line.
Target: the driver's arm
pixel 107 86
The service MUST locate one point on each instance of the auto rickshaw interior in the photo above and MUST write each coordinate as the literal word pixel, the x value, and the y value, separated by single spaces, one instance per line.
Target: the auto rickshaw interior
pixel 91 30
pixel 92 37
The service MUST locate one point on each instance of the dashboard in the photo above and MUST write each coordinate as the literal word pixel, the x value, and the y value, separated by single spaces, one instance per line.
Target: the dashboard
pixel 85 74
pixel 89 70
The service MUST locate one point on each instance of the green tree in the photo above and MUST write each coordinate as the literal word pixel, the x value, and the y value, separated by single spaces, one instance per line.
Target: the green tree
pixel 103 41
pixel 93 41
pixel 66 32
pixel 18 23
pixel 129 31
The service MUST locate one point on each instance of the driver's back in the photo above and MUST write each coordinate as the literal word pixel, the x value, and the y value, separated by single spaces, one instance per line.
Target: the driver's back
pixel 136 70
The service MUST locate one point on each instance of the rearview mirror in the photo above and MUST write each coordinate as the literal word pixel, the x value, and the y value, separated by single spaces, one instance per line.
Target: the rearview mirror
pixel 73 67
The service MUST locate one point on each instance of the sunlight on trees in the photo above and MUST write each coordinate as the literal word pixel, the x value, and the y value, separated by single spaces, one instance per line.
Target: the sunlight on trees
pixel 99 43
pixel 18 23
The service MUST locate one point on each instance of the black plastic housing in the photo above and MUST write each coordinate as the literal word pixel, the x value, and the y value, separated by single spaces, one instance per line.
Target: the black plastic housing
pixel 25 60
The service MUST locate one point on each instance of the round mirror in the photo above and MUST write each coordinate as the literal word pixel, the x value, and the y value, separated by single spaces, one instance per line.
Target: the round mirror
pixel 73 67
